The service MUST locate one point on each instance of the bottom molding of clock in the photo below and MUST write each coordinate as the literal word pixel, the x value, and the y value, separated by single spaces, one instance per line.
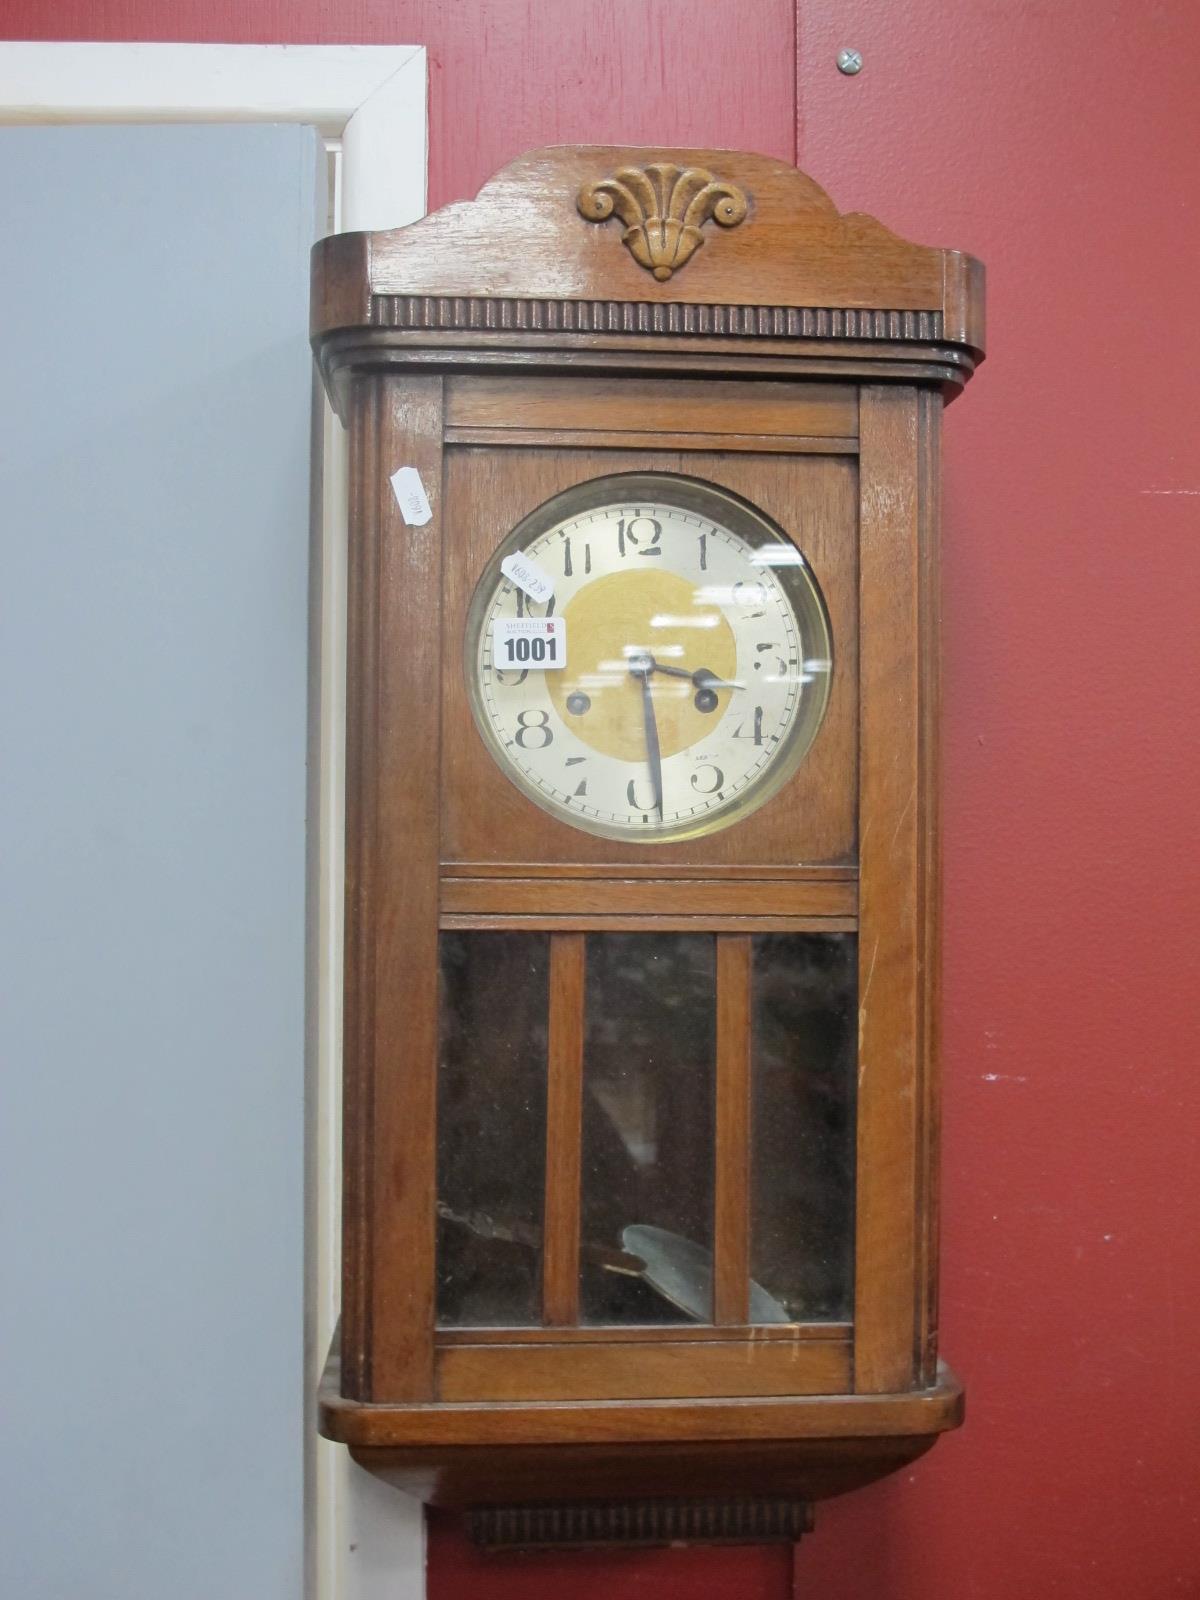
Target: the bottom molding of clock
pixel 587 1524
pixel 466 1477
pixel 798 1447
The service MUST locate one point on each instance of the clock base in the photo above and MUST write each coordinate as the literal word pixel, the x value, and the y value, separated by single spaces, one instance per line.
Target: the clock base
pixel 797 1447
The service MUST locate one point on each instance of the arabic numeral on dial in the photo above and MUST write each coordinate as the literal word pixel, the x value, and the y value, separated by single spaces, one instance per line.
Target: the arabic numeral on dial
pixel 569 563
pixel 750 594
pixel 703 552
pixel 570 559
pixel 781 666
pixel 718 779
pixel 511 680
pixel 534 722
pixel 756 732
pixel 636 803
pixel 644 533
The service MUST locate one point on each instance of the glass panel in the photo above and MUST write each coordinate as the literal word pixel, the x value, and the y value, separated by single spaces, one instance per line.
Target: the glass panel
pixel 491 1128
pixel 647 1187
pixel 803 1087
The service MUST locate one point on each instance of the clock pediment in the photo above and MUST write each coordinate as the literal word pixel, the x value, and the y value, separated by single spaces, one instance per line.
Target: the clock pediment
pixel 705 242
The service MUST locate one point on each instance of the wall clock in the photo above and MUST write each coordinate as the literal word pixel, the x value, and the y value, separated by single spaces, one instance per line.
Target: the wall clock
pixel 641 1096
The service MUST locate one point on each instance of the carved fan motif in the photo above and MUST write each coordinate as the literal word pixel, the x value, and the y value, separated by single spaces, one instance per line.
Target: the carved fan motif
pixel 663 208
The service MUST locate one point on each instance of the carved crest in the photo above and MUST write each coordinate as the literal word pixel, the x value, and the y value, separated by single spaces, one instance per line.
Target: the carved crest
pixel 663 208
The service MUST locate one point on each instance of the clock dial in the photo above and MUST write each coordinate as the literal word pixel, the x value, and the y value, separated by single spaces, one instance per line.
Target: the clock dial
pixel 675 676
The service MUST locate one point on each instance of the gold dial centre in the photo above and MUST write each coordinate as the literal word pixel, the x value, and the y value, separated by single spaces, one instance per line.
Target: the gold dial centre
pixel 631 614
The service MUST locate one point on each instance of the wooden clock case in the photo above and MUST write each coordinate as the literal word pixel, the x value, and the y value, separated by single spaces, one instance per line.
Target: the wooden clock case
pixel 601 310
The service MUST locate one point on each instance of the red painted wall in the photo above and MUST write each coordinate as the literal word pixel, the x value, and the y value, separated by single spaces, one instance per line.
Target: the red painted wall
pixel 1061 142
pixel 508 75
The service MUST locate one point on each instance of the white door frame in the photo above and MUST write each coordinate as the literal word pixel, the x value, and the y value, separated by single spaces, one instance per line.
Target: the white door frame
pixel 370 99
pixel 365 1542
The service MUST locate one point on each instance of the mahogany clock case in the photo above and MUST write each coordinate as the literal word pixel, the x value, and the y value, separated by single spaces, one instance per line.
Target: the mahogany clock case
pixel 510 349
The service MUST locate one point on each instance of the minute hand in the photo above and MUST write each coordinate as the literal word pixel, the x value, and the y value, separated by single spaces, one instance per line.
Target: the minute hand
pixel 652 751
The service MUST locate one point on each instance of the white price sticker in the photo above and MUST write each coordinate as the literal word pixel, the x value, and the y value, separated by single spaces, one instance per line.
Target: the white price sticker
pixel 527 575
pixel 519 642
pixel 410 496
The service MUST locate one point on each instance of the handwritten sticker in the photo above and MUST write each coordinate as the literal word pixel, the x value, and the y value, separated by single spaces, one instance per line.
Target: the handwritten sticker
pixel 527 575
pixel 529 642
pixel 410 496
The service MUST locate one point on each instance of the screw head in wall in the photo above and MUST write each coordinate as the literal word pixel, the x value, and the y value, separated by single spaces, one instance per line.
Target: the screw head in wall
pixel 849 62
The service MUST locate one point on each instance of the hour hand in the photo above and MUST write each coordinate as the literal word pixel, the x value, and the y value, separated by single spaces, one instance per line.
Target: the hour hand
pixel 704 679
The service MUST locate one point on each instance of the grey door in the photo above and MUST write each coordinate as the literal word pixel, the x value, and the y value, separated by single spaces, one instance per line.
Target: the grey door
pixel 154 513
